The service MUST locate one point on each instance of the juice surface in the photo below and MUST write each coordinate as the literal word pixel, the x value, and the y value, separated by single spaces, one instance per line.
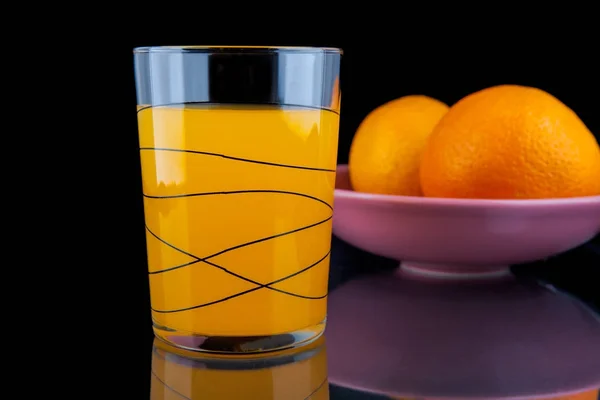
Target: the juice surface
pixel 238 205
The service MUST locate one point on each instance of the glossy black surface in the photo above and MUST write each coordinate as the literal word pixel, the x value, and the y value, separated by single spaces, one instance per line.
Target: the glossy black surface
pixel 173 374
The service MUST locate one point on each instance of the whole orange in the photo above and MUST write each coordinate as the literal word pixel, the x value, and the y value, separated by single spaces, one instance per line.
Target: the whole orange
pixel 510 142
pixel 386 149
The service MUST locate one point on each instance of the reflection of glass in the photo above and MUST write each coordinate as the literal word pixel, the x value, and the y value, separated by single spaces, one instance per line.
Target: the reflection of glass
pixel 238 152
pixel 287 375
pixel 505 339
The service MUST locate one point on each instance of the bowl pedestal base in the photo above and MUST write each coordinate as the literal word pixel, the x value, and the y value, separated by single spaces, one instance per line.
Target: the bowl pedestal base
pixel 452 273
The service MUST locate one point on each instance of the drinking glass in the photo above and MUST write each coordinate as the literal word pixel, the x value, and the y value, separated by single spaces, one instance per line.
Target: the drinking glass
pixel 292 374
pixel 238 148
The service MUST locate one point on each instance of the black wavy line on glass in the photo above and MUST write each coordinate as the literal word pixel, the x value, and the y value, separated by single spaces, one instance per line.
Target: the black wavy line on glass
pixel 208 103
pixel 177 196
pixel 248 160
pixel 205 259
pixel 170 388
pixel 260 286
pixel 317 388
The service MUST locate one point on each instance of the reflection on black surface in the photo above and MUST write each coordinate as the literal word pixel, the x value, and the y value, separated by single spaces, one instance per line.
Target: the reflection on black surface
pixel 495 340
pixel 518 324
pixel 588 395
pixel 288 375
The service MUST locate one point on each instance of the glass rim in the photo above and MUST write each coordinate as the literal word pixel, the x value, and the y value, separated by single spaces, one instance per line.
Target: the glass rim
pixel 237 49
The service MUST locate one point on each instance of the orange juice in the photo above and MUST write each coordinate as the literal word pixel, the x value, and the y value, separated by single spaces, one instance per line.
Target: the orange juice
pixel 238 204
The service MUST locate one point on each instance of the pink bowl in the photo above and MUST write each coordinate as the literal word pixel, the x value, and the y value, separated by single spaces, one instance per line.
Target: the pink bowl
pixel 461 237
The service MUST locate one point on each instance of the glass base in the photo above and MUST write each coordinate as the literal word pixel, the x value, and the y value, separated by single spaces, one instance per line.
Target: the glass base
pixel 239 345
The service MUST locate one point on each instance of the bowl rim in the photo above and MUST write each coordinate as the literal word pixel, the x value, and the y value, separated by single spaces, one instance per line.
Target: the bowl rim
pixel 439 201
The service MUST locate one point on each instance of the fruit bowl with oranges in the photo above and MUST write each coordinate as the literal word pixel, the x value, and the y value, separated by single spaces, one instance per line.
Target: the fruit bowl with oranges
pixel 507 175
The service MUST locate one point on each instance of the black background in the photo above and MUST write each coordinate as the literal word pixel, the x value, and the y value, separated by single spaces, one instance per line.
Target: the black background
pixel 373 72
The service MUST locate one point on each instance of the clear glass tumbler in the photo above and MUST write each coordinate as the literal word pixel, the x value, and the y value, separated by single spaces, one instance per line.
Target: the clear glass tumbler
pixel 291 374
pixel 238 147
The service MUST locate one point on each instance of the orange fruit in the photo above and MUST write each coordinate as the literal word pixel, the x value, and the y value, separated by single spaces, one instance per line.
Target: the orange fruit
pixel 510 142
pixel 386 149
